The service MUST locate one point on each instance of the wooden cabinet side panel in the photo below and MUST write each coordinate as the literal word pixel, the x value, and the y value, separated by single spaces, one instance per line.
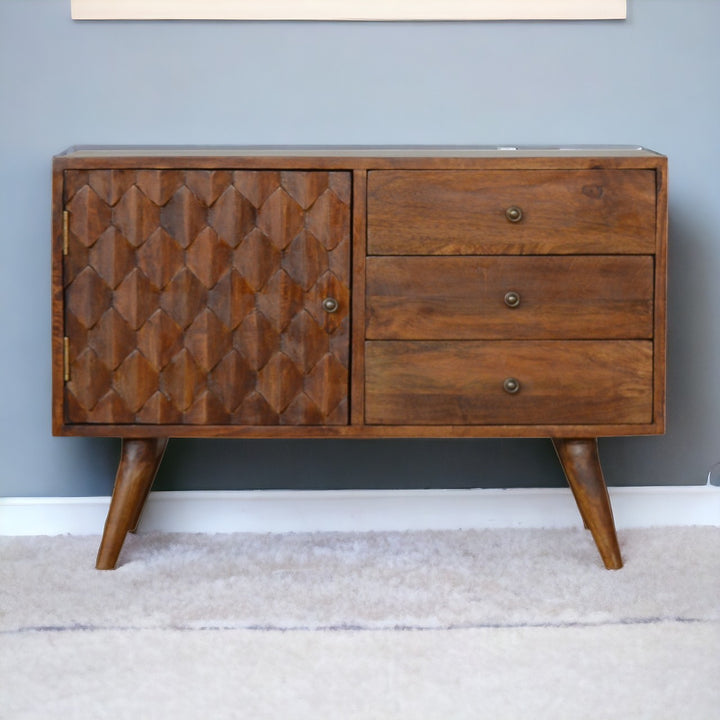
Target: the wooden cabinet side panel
pixel 660 330
pixel 57 304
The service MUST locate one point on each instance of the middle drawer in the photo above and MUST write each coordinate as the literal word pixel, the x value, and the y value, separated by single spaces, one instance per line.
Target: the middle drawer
pixel 501 297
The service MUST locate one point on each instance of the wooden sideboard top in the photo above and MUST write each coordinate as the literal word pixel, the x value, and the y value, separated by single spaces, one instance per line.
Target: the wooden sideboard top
pixel 359 151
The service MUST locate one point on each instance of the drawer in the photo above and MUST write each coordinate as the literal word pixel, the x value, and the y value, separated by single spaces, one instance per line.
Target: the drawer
pixel 445 298
pixel 463 383
pixel 461 212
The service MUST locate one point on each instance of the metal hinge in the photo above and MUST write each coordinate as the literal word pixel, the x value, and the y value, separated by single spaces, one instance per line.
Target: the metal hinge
pixel 66 359
pixel 66 231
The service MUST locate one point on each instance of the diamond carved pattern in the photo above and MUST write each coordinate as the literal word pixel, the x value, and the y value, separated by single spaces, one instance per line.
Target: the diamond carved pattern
pixel 112 339
pixel 159 410
pixel 111 185
pixel 159 339
pixel 89 216
pixel 279 382
pixel 88 365
pixel 208 340
pixel 112 257
pixel 305 260
pixel 88 297
pixel 255 410
pixel 324 383
pixel 305 342
pixel 135 299
pixel 160 258
pixel 110 409
pixel 135 381
pixel 206 410
pixel 207 185
pixel 258 186
pixel 256 340
pixel 184 298
pixel 195 296
pixel 159 185
pixel 208 258
pixel 257 259
pixel 231 299
pixel 135 215
pixel 180 379
pixel 328 220
pixel 305 187
pixel 281 218
pixel 183 217
pixel 281 300
pixel 232 380
pixel 232 216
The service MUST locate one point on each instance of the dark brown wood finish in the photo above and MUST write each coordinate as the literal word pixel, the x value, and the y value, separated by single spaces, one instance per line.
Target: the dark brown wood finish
pixel 196 297
pixel 357 387
pixel 462 383
pixel 435 298
pixel 464 213
pixel 188 289
pixel 581 464
pixel 139 463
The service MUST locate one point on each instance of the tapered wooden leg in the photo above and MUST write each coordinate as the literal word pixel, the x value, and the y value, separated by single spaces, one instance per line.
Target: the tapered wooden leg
pixel 139 463
pixel 581 464
pixel 141 505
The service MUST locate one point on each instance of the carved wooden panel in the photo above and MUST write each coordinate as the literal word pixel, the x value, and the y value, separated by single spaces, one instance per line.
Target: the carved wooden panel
pixel 195 296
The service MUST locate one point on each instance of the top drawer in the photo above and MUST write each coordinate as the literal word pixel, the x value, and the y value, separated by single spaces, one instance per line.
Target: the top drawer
pixel 458 212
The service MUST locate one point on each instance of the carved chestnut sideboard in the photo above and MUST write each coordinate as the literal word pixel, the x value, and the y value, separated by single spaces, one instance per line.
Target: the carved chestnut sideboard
pixel 359 292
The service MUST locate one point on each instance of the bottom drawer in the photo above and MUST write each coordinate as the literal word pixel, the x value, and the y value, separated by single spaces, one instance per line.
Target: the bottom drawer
pixel 471 382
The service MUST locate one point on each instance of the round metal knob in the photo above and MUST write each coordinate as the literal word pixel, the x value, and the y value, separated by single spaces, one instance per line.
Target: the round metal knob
pixel 330 304
pixel 511 385
pixel 514 214
pixel 512 299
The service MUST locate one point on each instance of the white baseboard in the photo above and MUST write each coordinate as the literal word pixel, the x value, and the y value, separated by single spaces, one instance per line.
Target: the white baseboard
pixel 361 510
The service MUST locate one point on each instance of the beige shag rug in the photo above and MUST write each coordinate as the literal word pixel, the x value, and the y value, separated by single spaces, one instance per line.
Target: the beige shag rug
pixel 498 624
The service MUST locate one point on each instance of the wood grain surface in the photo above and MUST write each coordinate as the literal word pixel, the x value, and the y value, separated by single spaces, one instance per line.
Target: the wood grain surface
pixel 460 383
pixel 464 212
pixel 436 298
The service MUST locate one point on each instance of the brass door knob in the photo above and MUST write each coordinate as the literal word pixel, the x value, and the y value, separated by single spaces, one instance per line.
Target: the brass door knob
pixel 514 214
pixel 330 305
pixel 512 299
pixel 511 385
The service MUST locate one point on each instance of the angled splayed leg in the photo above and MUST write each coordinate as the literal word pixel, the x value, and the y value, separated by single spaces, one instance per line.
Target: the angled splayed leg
pixel 139 463
pixel 581 464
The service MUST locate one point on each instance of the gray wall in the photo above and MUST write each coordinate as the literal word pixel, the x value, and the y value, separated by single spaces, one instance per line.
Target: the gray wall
pixel 650 80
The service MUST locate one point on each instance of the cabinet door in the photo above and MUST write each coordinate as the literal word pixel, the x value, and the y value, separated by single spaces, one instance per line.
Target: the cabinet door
pixel 198 297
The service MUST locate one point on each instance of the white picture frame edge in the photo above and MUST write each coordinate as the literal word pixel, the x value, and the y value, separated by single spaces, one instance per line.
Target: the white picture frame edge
pixel 354 10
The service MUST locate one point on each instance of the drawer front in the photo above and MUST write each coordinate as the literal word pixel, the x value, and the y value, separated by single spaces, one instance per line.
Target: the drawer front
pixel 197 297
pixel 464 383
pixel 465 298
pixel 511 212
